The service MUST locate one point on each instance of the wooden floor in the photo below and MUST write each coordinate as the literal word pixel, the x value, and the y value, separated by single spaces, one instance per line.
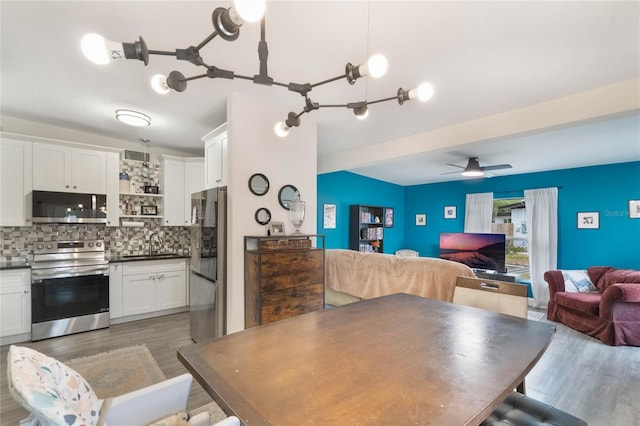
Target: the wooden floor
pixel 162 336
pixel 577 374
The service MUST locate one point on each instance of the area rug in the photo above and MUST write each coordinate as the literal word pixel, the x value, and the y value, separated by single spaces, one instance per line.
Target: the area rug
pixel 124 370
pixel 118 371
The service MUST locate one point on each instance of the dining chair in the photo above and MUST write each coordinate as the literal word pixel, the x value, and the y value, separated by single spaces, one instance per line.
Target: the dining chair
pixel 55 394
pixel 497 296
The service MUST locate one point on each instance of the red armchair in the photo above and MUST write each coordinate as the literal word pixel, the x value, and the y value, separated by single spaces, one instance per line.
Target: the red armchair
pixel 612 314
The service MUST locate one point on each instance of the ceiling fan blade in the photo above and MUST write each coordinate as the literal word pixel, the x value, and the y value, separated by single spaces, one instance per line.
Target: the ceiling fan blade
pixel 451 173
pixel 497 167
pixel 455 165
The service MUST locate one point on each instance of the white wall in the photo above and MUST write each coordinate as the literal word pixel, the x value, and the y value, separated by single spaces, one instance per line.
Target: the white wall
pixel 253 147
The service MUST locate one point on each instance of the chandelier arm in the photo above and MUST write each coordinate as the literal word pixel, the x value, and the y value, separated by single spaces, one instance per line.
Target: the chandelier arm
pixel 377 101
pixel 160 52
pixel 263 55
pixel 327 81
pixel 207 40
pixel 333 106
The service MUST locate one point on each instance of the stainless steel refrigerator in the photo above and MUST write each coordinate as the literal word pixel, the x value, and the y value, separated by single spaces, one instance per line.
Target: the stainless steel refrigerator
pixel 208 280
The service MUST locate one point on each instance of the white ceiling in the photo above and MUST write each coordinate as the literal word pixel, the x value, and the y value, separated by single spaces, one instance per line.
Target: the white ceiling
pixel 483 58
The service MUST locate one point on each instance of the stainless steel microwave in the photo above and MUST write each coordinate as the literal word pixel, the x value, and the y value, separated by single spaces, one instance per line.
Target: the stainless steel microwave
pixel 69 207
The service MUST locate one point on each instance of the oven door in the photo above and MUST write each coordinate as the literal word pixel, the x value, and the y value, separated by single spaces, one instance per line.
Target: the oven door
pixel 58 298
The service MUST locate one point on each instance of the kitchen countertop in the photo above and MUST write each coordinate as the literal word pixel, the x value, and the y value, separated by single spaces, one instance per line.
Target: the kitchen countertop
pixel 14 264
pixel 139 257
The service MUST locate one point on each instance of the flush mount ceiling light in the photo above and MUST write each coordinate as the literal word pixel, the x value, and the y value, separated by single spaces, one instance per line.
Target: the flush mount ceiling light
pixel 226 24
pixel 132 118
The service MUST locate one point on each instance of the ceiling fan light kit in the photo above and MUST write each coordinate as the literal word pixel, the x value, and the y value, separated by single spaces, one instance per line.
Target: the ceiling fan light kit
pixel 227 23
pixel 473 168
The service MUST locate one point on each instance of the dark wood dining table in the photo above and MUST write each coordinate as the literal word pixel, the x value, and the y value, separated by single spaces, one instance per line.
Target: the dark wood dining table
pixel 393 360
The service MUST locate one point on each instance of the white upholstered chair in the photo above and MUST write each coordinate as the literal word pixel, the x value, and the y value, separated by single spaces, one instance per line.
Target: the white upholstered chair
pixel 406 253
pixel 55 394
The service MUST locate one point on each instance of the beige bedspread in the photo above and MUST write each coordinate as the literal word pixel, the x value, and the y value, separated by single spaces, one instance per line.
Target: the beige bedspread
pixel 368 275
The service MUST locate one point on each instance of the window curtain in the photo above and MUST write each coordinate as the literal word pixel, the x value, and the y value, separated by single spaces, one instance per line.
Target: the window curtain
pixel 542 239
pixel 478 212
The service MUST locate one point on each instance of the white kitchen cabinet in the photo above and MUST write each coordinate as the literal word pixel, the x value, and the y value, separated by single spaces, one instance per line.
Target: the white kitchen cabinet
pixel 215 155
pixel 139 294
pixel 66 169
pixel 115 290
pixel 15 182
pixel 15 302
pixel 193 182
pixel 180 177
pixel 153 285
pixel 172 289
pixel 113 189
pixel 172 171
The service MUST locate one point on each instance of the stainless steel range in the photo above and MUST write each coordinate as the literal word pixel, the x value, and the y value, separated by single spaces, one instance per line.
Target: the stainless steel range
pixel 69 288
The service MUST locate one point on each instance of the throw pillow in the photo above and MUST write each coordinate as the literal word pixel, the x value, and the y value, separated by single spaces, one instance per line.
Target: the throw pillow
pixel 577 281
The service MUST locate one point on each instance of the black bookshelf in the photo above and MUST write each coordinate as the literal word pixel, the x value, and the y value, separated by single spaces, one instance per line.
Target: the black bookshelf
pixel 366 228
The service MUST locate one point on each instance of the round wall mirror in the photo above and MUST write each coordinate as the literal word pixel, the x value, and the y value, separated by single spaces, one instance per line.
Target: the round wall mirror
pixel 287 193
pixel 263 216
pixel 258 184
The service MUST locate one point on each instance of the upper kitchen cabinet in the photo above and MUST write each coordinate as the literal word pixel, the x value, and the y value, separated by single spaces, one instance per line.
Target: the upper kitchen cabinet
pixel 65 169
pixel 15 182
pixel 180 178
pixel 215 155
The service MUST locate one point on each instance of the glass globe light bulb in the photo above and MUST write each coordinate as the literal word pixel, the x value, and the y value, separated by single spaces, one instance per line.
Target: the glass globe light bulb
pixel 424 92
pixel 250 10
pixel 281 129
pixel 94 48
pixel 377 65
pixel 159 84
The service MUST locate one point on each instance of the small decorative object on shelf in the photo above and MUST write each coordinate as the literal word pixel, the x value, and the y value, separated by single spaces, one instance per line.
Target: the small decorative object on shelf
pixel 149 210
pixel 125 182
pixel 151 189
pixel 296 213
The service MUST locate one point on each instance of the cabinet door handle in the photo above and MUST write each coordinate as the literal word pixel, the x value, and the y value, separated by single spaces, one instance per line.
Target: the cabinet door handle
pixel 28 219
pixel 66 186
pixel 26 291
pixel 160 276
pixel 75 187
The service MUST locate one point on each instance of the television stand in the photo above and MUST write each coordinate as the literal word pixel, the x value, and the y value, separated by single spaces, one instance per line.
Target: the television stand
pixel 498 276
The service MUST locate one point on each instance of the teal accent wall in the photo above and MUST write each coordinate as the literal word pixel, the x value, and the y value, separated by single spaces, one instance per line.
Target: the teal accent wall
pixel 344 189
pixel 605 189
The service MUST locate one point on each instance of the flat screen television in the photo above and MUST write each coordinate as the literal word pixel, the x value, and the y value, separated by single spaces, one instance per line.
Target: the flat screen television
pixel 477 251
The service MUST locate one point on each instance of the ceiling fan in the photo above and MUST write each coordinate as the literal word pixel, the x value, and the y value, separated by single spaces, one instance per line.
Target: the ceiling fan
pixel 473 168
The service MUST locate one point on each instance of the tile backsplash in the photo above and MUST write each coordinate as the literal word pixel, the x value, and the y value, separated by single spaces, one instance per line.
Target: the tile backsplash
pixel 17 242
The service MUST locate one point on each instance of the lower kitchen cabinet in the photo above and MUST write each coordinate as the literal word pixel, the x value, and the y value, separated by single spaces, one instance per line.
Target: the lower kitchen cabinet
pixel 15 304
pixel 147 286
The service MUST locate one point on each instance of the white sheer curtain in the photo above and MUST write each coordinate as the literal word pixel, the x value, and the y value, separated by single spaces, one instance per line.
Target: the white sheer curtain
pixel 478 212
pixel 542 238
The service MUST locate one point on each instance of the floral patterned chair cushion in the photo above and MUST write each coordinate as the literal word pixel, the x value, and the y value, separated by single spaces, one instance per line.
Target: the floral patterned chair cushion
pixel 52 392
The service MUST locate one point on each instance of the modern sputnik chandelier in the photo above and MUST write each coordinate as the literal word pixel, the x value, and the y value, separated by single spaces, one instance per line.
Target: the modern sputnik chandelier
pixel 226 24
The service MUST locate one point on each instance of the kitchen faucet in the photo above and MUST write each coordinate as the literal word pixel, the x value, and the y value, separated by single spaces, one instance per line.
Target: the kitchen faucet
pixel 155 248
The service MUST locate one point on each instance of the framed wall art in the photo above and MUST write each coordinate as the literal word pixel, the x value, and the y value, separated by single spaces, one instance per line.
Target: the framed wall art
pixel 329 216
pixel 388 217
pixel 634 209
pixel 421 219
pixel 276 228
pixel 588 220
pixel 149 210
pixel 450 212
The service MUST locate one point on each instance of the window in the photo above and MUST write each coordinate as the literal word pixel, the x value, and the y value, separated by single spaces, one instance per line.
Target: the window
pixel 510 218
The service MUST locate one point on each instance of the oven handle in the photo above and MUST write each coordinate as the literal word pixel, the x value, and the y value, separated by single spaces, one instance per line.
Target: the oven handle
pixel 37 275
